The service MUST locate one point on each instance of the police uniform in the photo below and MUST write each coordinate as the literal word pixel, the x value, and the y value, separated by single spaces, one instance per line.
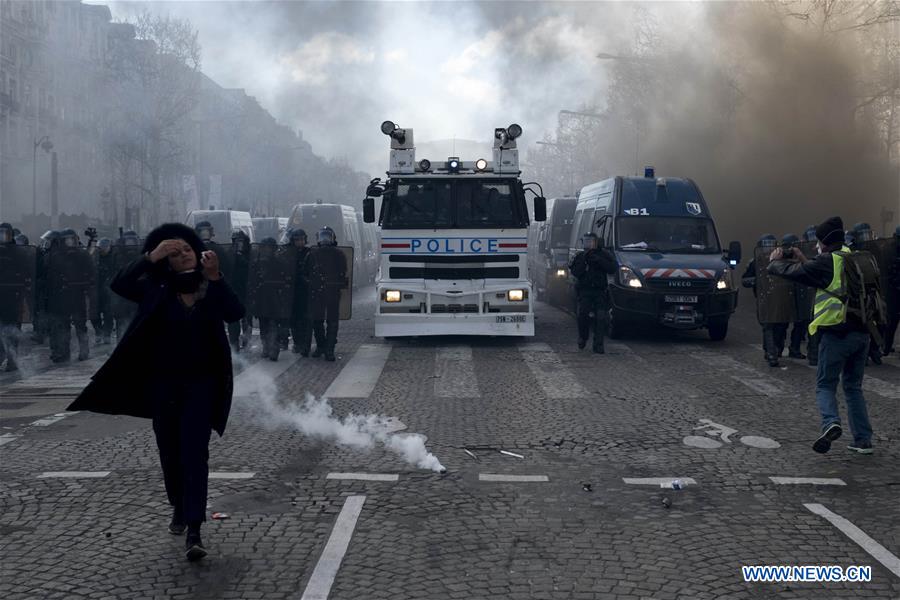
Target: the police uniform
pixel 327 275
pixel 301 329
pixel 103 323
pixel 892 296
pixel 590 267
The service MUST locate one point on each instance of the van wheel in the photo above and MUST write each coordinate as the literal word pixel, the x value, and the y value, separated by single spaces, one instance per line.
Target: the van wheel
pixel 718 328
pixel 615 327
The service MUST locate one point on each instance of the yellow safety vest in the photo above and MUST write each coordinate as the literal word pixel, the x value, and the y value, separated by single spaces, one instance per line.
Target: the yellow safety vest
pixel 829 310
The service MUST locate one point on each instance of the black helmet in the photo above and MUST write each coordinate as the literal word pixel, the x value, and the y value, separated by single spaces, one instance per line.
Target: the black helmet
pixel 268 241
pixel 21 240
pixel 69 238
pixel 810 234
pixel 297 234
pixel 849 237
pixel 326 237
pixel 789 239
pixel 863 232
pixel 238 235
pixel 7 234
pixel 205 230
pixel 767 241
pixel 104 244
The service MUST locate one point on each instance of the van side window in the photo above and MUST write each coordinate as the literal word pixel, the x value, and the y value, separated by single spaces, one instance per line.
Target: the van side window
pixel 576 231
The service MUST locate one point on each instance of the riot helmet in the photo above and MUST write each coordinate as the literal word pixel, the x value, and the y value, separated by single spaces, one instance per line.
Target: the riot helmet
pixel 48 239
pixel 130 238
pixel 240 239
pixel 326 237
pixel 767 241
pixel 850 238
pixel 22 240
pixel 104 245
pixel 810 234
pixel 268 241
pixel 69 238
pixel 205 230
pixel 863 232
pixel 297 235
pixel 789 239
pixel 7 236
pixel 589 241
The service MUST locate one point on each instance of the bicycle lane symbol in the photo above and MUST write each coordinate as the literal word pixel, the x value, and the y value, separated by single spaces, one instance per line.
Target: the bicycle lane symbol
pixel 724 434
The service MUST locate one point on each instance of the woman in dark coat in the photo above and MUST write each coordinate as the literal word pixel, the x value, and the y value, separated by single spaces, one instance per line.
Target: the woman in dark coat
pixel 173 365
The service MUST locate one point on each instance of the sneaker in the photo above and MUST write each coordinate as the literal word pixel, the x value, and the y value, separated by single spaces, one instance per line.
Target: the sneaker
pixel 581 343
pixel 861 448
pixel 193 547
pixel 177 525
pixel 831 433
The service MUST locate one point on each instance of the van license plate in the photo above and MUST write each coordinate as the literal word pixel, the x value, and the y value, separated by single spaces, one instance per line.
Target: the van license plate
pixel 511 319
pixel 682 299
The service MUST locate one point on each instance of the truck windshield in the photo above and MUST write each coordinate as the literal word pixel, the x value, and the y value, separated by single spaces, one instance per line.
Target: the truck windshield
pixel 451 204
pixel 685 235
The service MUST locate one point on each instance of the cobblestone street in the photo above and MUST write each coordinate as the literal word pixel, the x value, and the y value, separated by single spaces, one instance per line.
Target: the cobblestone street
pixel 559 465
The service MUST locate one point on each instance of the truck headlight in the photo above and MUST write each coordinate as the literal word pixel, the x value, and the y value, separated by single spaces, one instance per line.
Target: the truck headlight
pixel 724 281
pixel 629 278
pixel 515 295
pixel 392 296
pixel 560 272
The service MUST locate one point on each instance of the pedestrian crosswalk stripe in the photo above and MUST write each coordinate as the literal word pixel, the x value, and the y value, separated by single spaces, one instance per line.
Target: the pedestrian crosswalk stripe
pixel 363 476
pixel 319 585
pixel 553 377
pixel 807 480
pixel 231 474
pixel 73 474
pixel 359 377
pixel 499 477
pixel 663 482
pixel 454 370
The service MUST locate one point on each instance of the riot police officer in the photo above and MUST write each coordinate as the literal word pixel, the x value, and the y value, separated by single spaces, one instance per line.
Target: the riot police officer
pixel 21 240
pixel 800 322
pixel 72 278
pixel 106 270
pixel 862 238
pixel 301 330
pixel 892 294
pixel 10 296
pixel 772 305
pixel 40 321
pixel 327 276
pixel 239 332
pixel 590 267
pixel 808 248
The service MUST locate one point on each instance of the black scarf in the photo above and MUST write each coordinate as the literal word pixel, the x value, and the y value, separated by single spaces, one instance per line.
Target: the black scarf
pixel 187 282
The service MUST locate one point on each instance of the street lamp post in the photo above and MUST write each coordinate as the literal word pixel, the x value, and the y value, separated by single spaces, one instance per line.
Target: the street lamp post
pixel 47 146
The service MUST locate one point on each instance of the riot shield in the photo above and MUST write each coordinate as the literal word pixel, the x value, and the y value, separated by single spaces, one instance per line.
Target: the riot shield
pixel 270 286
pixel 346 308
pixel 884 251
pixel 120 257
pixel 774 295
pixel 805 296
pixel 72 283
pixel 18 279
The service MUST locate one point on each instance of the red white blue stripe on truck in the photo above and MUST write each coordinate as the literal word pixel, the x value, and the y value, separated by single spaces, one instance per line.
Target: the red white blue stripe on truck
pixel 678 273
pixel 454 245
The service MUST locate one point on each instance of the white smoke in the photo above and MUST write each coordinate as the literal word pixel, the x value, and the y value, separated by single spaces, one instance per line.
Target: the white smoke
pixel 315 418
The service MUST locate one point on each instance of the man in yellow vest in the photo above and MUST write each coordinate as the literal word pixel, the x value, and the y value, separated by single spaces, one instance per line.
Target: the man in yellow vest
pixel 844 339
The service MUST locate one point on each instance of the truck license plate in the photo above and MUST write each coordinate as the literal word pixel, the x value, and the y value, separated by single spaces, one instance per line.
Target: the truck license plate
pixel 682 299
pixel 510 319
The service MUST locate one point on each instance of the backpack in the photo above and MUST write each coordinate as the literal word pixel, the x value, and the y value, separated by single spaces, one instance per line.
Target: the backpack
pixel 862 291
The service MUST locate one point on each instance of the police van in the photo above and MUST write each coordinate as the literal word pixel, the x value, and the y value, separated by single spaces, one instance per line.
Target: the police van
pixel 273 227
pixel 672 270
pixel 224 223
pixel 548 251
pixel 453 242
pixel 342 219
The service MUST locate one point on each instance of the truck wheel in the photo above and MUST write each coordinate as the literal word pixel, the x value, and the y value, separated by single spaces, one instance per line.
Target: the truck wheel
pixel 718 329
pixel 615 327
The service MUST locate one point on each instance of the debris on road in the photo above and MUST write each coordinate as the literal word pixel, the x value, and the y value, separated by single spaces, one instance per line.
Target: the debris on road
pixel 507 453
pixel 219 516
pixel 472 454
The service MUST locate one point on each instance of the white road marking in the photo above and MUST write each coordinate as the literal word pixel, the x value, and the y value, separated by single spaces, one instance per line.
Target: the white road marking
pixel 363 476
pixel 248 381
pixel 231 474
pixel 880 387
pixel 513 478
pixel 7 438
pixel 73 474
pixel 51 420
pixel 663 482
pixel 762 385
pixel 359 377
pixel 699 441
pixel 72 375
pixel 876 550
pixel 807 480
pixel 620 348
pixel 555 379
pixel 454 370
pixel 326 569
pixel 755 441
pixel 750 377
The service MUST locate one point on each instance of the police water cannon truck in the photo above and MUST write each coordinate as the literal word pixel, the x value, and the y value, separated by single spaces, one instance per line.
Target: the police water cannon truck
pixel 453 241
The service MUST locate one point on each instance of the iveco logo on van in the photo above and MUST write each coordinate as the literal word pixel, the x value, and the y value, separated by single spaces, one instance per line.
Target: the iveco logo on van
pixel 679 284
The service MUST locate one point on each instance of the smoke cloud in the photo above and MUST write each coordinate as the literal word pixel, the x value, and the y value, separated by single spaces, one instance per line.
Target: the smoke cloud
pixel 315 418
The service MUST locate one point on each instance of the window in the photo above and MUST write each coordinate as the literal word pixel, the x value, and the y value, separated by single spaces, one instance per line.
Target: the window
pixel 685 235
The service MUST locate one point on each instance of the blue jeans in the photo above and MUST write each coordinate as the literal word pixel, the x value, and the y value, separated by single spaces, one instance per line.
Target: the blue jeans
pixel 843 358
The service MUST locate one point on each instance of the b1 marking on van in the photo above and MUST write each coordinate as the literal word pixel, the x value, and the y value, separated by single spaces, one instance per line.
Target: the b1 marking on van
pixel 637 212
